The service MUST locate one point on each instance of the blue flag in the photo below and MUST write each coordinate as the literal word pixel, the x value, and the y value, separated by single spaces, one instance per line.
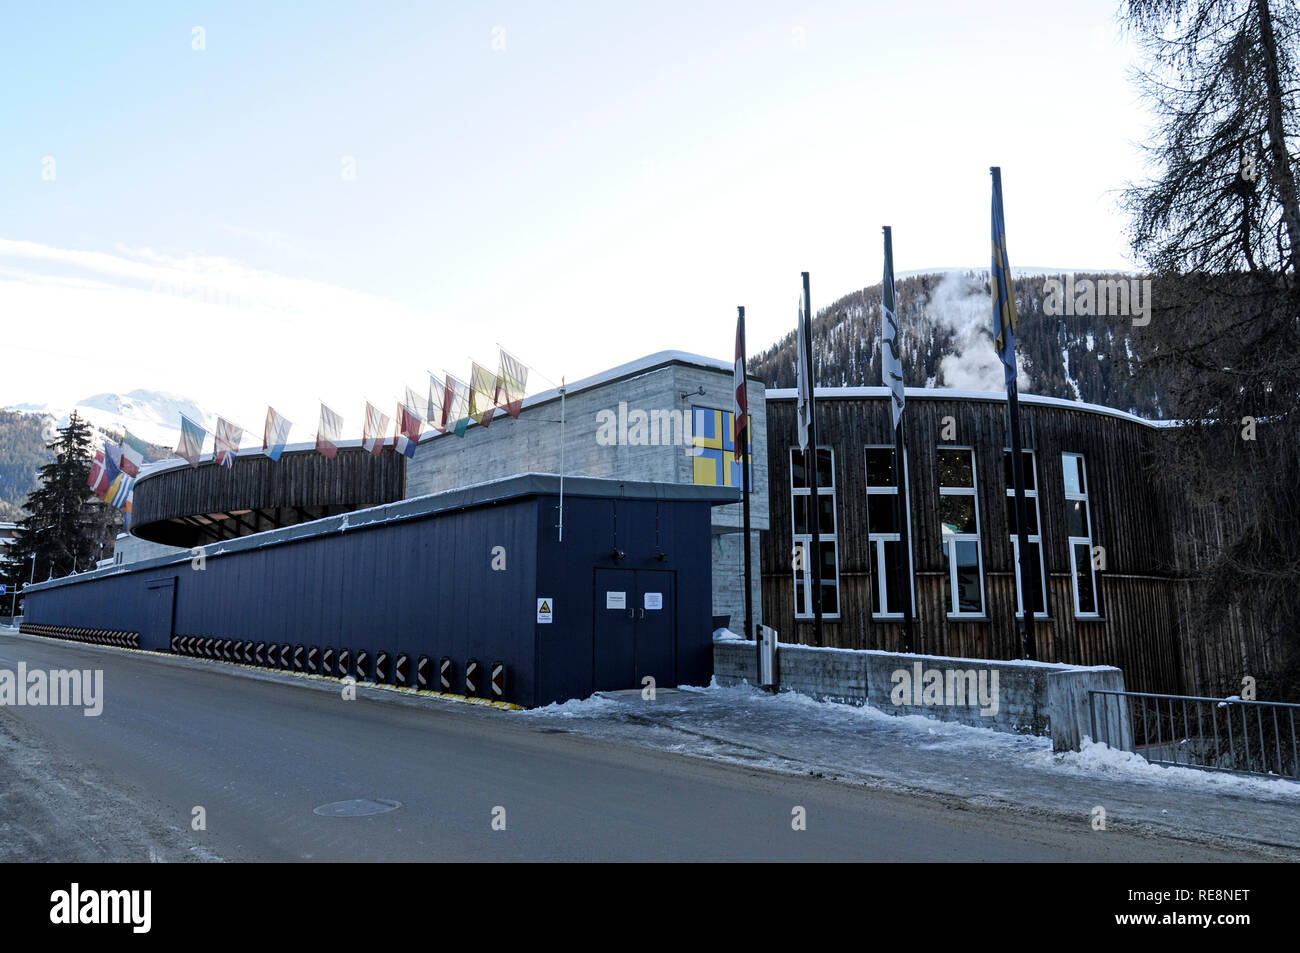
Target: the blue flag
pixel 1004 302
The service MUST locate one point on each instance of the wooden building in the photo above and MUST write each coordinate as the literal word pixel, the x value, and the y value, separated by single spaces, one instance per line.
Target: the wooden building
pixel 179 505
pixel 1108 589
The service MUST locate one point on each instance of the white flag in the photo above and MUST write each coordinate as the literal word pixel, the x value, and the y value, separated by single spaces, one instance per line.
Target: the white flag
pixel 803 407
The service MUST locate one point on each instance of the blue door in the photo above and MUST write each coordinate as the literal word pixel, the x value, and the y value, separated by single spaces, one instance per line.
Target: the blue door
pixel 160 611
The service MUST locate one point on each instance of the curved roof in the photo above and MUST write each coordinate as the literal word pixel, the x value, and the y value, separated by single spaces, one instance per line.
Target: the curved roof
pixel 947 393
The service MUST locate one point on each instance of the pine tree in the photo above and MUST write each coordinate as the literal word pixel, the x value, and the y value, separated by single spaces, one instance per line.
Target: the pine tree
pixel 65 523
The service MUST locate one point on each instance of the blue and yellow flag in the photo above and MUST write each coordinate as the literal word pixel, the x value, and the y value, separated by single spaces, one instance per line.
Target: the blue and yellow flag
pixel 714 463
pixel 1004 302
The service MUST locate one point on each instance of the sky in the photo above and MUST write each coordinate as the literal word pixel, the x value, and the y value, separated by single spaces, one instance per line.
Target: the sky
pixel 250 203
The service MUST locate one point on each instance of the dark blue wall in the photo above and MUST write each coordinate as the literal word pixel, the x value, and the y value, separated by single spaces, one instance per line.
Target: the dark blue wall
pixel 423 586
pixel 592 531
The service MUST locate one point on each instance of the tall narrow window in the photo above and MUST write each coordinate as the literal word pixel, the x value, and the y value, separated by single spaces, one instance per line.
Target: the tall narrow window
pixel 1078 529
pixel 800 508
pixel 960 525
pixel 883 533
pixel 1038 584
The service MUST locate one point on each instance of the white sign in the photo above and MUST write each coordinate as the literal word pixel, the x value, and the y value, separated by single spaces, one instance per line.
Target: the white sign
pixel 615 600
pixel 654 600
pixel 544 610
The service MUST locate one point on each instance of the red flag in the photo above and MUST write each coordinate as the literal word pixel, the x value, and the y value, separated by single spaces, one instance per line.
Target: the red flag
pixel 98 480
pixel 407 435
pixel 329 432
pixel 375 430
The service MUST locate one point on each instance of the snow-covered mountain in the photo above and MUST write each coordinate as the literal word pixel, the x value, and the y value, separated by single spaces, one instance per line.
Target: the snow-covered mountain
pixel 154 416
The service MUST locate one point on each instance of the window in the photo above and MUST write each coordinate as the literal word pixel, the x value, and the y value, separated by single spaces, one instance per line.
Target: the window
pixel 960 525
pixel 1038 592
pixel 1078 527
pixel 883 533
pixel 800 507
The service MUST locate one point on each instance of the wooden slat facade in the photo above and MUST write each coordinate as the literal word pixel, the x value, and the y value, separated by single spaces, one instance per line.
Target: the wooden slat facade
pixel 192 506
pixel 1143 627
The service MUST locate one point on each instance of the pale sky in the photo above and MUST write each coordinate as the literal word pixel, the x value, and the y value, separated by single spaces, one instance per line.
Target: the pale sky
pixel 326 202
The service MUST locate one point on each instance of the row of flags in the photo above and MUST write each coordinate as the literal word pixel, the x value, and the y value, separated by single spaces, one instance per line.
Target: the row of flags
pixel 113 472
pixel 449 407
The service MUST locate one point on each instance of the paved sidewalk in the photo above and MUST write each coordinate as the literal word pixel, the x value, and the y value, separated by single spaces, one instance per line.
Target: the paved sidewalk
pixel 971 766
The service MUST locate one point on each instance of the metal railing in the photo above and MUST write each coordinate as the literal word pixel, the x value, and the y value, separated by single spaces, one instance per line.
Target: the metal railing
pixel 1189 731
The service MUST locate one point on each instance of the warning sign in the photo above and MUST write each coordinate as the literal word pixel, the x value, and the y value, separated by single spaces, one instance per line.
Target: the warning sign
pixel 654 600
pixel 544 610
pixel 615 600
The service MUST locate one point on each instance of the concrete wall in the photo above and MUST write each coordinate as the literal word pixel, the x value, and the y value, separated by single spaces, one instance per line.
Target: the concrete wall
pixel 1035 698
pixel 728 576
pixel 132 549
pixel 532 444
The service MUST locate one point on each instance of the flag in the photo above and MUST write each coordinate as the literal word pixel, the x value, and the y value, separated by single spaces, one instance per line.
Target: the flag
pixel 714 462
pixel 435 412
pixel 891 350
pixel 414 404
pixel 803 406
pixel 512 379
pixel 740 414
pixel 98 480
pixel 376 429
pixel 482 394
pixel 407 434
pixel 133 451
pixel 456 406
pixel 226 446
pixel 191 445
pixel 1004 303
pixel 111 467
pixel 126 509
pixel 329 431
pixel 120 490
pixel 275 436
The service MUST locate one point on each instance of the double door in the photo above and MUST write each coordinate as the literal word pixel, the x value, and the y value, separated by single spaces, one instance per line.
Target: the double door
pixel 636 631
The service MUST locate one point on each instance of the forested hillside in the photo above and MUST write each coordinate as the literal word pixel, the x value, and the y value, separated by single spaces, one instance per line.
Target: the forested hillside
pixel 947 339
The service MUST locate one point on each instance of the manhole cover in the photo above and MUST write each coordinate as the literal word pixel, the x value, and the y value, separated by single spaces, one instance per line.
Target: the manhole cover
pixel 360 807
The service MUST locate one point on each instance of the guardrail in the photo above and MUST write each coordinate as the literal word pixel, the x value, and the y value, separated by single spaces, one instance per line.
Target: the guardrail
pixel 1190 731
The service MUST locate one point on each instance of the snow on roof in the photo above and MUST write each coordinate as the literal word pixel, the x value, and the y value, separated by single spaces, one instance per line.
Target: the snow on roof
pixel 639 366
pixel 946 393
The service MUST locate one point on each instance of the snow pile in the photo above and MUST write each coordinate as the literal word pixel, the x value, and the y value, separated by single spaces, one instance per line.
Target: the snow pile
pixel 594 707
pixel 1094 758
pixel 726 635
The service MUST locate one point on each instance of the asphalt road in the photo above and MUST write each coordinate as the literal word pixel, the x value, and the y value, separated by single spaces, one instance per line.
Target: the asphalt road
pixel 258 756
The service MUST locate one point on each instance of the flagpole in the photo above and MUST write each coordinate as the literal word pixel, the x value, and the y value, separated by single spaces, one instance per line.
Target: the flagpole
pixel 1004 321
pixel 745 480
pixel 810 467
pixel 902 573
pixel 1018 481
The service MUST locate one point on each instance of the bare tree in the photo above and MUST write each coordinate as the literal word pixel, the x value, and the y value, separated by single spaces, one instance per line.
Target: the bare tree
pixel 1219 226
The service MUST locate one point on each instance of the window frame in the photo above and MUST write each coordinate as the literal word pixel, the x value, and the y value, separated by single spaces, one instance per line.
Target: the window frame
pixel 876 541
pixel 803 594
pixel 1071 541
pixel 946 539
pixel 1033 538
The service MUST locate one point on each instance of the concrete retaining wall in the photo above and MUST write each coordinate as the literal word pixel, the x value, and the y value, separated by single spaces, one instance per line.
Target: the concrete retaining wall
pixel 1037 698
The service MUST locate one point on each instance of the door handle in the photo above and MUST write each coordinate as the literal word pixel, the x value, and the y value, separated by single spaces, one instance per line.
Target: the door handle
pixel 631 613
pixel 642 614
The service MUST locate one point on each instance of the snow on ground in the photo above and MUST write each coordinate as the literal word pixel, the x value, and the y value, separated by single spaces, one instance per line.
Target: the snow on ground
pixel 794 733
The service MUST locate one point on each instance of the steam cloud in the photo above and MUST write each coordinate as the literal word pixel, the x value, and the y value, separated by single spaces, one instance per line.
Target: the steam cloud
pixel 961 305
